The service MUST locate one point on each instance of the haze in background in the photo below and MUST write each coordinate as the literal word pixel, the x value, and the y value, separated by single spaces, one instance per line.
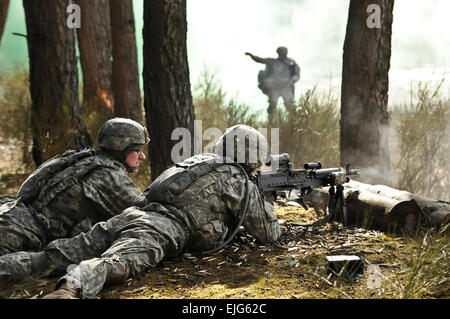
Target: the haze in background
pixel 219 32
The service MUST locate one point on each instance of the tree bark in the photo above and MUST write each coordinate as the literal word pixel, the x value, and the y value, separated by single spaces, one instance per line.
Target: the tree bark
pixel 55 112
pixel 127 95
pixel 168 98
pixel 4 4
pixel 364 95
pixel 94 42
pixel 384 208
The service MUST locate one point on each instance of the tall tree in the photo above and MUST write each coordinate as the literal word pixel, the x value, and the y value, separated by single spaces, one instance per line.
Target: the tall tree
pixel 167 92
pixel 55 113
pixel 127 95
pixel 365 83
pixel 94 42
pixel 4 4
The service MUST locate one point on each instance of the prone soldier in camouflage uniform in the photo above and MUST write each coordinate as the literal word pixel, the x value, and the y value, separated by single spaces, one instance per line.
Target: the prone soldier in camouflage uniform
pixel 202 200
pixel 68 194
pixel 278 79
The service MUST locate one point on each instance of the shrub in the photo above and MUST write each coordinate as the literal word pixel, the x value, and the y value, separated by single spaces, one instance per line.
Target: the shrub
pixel 422 130
pixel 215 110
pixel 311 133
pixel 15 115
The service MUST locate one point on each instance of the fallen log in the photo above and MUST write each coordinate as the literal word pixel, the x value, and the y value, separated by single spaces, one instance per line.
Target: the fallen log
pixel 436 212
pixel 384 208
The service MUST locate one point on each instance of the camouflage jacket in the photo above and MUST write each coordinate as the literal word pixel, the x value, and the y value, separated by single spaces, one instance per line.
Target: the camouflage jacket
pixel 278 73
pixel 94 188
pixel 223 187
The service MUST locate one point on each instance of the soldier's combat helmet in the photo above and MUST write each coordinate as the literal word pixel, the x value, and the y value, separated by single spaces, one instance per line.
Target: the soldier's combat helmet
pixel 244 145
pixel 282 51
pixel 120 136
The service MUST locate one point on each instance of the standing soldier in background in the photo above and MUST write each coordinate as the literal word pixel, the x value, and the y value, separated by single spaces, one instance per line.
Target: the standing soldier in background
pixel 278 79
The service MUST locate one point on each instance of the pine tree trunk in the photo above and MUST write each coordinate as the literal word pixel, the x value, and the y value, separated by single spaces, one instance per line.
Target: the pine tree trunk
pixel 94 42
pixel 55 113
pixel 168 99
pixel 127 95
pixel 364 96
pixel 4 4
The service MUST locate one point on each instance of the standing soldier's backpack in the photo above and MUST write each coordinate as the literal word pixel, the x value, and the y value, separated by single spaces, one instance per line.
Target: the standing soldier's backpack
pixel 263 75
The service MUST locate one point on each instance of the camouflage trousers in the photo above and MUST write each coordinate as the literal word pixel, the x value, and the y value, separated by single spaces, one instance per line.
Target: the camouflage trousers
pixel 23 228
pixel 126 245
pixel 274 95
pixel 19 229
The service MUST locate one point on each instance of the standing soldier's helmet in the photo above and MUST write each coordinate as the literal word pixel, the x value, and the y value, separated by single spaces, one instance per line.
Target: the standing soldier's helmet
pixel 120 136
pixel 282 51
pixel 244 145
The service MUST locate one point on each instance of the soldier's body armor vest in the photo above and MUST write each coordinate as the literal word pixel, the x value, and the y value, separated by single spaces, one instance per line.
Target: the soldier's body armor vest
pixel 168 186
pixel 60 173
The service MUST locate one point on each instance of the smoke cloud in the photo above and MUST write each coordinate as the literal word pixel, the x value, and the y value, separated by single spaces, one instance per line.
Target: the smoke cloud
pixel 219 32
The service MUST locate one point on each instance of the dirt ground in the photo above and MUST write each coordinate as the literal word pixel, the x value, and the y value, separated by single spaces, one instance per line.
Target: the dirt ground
pixel 293 268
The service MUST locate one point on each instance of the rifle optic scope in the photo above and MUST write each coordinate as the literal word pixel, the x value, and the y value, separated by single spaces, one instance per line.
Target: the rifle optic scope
pixel 282 159
pixel 313 165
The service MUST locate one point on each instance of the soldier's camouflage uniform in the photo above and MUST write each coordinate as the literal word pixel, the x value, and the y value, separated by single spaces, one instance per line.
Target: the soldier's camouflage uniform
pixel 277 80
pixel 95 188
pixel 138 239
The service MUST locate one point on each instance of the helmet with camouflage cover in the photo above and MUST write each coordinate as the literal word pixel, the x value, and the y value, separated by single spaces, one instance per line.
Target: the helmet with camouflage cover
pixel 244 145
pixel 120 136
pixel 282 51
pixel 119 133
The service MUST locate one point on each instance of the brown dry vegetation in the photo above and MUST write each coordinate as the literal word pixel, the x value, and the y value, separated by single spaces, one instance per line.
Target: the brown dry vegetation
pixel 295 267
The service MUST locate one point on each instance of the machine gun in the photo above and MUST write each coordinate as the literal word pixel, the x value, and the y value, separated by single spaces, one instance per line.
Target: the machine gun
pixel 282 178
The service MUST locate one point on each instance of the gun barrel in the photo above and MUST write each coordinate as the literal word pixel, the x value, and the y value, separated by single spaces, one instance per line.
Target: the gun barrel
pixel 352 172
pixel 326 172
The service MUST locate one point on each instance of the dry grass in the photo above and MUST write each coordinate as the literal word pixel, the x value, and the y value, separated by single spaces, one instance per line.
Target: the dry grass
pixel 15 115
pixel 422 129
pixel 312 132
